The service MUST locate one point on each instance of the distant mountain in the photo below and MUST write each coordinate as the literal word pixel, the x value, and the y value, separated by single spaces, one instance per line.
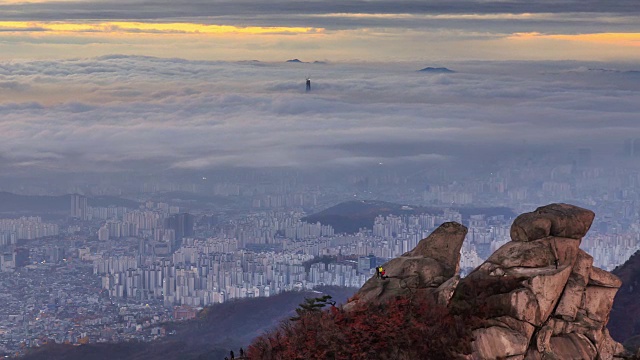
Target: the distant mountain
pixel 193 200
pixel 587 70
pixel 615 71
pixel 436 70
pixel 216 330
pixel 14 203
pixel 38 204
pixel 110 201
pixel 624 323
pixel 298 61
pixel 350 216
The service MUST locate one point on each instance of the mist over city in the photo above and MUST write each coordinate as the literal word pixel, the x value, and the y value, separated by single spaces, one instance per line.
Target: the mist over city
pixel 167 165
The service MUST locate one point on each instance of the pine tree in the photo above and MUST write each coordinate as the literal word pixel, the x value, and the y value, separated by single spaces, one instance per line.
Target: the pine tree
pixel 311 305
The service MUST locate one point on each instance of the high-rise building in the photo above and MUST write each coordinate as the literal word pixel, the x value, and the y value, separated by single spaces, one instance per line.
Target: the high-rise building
pixel 79 207
pixel 182 224
pixel 366 263
pixel 14 258
pixel 21 257
pixel 103 233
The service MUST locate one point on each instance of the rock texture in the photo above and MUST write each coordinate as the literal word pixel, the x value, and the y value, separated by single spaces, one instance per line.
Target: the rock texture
pixel 429 269
pixel 560 220
pixel 538 296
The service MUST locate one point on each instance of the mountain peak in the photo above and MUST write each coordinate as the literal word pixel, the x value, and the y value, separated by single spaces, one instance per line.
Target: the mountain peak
pixel 436 70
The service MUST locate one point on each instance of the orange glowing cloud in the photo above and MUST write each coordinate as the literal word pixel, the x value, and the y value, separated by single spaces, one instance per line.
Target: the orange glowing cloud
pixel 622 39
pixel 149 28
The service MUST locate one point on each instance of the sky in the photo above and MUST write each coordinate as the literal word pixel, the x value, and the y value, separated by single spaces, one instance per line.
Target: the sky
pixel 336 30
pixel 110 86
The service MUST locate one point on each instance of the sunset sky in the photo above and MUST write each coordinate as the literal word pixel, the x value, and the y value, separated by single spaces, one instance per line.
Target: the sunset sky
pixel 336 30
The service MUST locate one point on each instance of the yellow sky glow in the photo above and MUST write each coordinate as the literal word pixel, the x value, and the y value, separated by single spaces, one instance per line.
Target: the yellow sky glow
pixel 624 39
pixel 227 42
pixel 139 27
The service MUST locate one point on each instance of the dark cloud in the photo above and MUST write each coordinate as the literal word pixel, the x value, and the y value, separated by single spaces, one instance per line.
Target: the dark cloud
pixel 162 10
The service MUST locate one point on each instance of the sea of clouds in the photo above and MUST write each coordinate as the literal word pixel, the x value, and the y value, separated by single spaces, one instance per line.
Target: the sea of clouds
pixel 118 113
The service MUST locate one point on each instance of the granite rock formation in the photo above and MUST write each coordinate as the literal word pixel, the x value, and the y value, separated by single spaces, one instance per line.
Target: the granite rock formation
pixel 429 269
pixel 538 296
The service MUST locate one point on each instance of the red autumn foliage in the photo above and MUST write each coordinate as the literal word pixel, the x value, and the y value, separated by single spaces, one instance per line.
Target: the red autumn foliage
pixel 401 329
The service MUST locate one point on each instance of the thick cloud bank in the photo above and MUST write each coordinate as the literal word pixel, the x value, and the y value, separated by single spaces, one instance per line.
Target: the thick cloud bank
pixel 138 9
pixel 124 113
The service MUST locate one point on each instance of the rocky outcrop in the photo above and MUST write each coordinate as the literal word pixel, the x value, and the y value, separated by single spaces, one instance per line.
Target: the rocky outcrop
pixel 428 270
pixel 561 220
pixel 558 303
pixel 537 297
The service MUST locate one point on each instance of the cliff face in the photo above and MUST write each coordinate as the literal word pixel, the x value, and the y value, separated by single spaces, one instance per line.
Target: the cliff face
pixel 429 269
pixel 625 315
pixel 537 297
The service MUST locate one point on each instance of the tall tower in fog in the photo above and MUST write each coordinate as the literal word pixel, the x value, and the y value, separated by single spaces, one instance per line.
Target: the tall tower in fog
pixel 79 207
pixel 631 148
pixel 308 84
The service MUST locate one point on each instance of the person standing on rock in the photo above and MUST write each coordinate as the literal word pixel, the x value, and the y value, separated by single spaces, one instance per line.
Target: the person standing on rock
pixel 377 272
pixel 382 273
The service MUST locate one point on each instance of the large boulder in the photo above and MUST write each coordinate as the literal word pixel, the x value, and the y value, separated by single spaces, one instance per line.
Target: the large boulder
pixel 571 300
pixel 430 268
pixel 556 301
pixel 443 245
pixel 599 277
pixel 571 347
pixel 529 276
pixel 530 226
pixel 495 342
pixel 561 220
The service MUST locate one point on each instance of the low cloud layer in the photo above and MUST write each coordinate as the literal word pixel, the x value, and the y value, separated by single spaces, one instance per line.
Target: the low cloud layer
pixel 121 113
